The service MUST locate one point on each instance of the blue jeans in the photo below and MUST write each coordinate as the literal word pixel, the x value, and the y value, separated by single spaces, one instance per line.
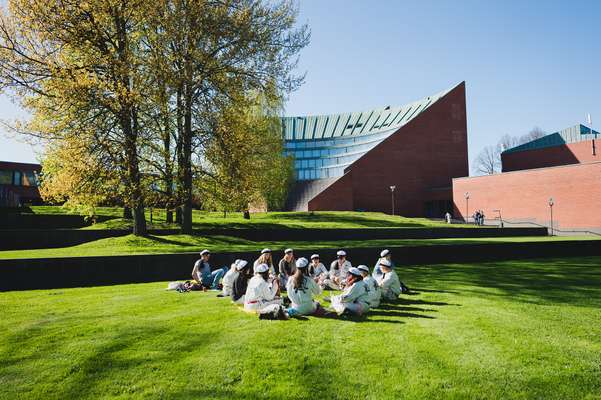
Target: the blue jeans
pixel 215 277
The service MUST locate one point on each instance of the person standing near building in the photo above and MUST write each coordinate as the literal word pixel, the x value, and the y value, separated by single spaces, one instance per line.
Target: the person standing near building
pixel 286 267
pixel 202 273
pixel 373 289
pixel 389 283
pixel 447 217
pixel 354 298
pixel 301 289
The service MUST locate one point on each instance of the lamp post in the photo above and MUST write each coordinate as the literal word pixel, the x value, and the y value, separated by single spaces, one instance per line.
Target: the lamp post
pixel 392 196
pixel 590 124
pixel 467 206
pixel 551 203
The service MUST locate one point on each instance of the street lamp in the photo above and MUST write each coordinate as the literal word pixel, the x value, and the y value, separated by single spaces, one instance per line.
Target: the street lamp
pixel 392 195
pixel 551 203
pixel 467 206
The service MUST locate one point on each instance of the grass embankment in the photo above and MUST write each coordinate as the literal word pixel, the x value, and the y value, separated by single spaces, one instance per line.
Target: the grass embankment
pixel 508 330
pixel 131 244
pixel 300 220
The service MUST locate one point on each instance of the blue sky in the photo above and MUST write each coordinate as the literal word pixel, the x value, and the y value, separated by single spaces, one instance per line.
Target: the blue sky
pixel 526 64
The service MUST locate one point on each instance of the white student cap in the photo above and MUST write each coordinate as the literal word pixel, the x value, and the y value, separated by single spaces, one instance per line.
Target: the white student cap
pixel 314 256
pixel 288 251
pixel 384 253
pixel 261 268
pixel 302 262
pixel 354 271
pixel 363 268
pixel 340 253
pixel 265 250
pixel 241 264
pixel 386 263
pixel 205 251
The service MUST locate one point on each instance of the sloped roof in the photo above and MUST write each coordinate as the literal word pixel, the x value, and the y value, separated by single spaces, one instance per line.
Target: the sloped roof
pixel 316 127
pixel 574 134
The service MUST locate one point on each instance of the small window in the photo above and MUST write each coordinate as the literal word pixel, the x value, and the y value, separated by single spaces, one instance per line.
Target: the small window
pixel 17 178
pixel 349 126
pixel 6 177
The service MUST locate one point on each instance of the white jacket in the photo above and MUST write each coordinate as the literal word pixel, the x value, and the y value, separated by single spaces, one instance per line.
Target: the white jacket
pixel 228 281
pixel 302 299
pixel 340 272
pixel 258 293
pixel 373 291
pixel 391 285
pixel 356 293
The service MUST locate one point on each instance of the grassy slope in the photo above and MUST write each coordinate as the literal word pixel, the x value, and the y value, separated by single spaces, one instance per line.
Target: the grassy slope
pixel 511 330
pixel 185 243
pixel 325 219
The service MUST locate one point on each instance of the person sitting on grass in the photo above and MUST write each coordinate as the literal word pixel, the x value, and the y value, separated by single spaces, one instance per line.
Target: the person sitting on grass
pixel 241 283
pixel 317 270
pixel 354 298
pixel 338 271
pixel 260 292
pixel 265 258
pixel 229 278
pixel 202 274
pixel 389 283
pixel 373 289
pixel 384 254
pixel 301 289
pixel 286 267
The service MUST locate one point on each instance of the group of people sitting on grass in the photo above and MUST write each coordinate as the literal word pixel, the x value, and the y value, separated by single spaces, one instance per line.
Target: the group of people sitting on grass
pixel 258 286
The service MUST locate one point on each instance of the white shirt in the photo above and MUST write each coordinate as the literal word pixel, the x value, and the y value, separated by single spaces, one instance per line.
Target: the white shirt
pixel 373 291
pixel 302 298
pixel 391 285
pixel 228 281
pixel 315 271
pixel 356 293
pixel 258 292
pixel 271 267
pixel 337 271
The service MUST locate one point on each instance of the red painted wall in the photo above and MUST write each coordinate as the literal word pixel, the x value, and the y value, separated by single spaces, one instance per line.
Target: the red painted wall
pixel 426 153
pixel 572 153
pixel 524 195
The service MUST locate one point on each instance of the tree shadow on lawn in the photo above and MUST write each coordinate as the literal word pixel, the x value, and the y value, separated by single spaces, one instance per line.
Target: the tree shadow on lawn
pixel 102 362
pixel 571 280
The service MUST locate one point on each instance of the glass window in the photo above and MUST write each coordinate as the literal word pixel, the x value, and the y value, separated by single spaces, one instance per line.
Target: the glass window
pixel 311 163
pixel 17 178
pixel 29 179
pixel 6 177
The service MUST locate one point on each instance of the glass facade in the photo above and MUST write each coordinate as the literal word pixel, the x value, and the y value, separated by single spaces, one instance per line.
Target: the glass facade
pixel 327 158
pixel 18 178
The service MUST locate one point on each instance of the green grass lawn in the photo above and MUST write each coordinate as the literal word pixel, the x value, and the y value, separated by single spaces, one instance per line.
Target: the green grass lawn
pixel 508 330
pixel 131 244
pixel 302 220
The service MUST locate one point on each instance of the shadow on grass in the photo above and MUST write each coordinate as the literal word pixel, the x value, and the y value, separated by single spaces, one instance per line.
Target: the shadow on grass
pixel 356 219
pixel 563 280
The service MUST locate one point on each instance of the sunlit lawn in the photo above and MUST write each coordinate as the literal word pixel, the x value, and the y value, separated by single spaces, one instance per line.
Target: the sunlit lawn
pixel 509 330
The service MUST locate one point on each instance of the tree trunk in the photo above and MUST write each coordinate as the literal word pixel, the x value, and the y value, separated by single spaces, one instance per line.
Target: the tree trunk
pixel 178 216
pixel 169 216
pixel 127 213
pixel 186 163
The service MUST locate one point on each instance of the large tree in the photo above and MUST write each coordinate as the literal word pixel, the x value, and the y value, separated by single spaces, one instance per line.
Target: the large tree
pixel 82 59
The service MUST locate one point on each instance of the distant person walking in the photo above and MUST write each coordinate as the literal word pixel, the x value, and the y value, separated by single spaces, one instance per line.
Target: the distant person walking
pixel 447 217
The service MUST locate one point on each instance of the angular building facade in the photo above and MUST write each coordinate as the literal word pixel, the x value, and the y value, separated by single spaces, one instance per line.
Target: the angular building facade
pixel 349 161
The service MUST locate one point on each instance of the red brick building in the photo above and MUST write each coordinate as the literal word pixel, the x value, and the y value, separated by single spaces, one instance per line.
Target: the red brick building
pixel 564 166
pixel 19 184
pixel 418 148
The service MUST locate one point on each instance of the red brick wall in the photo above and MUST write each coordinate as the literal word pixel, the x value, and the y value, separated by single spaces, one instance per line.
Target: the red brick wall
pixel 425 153
pixel 338 196
pixel 524 195
pixel 573 153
